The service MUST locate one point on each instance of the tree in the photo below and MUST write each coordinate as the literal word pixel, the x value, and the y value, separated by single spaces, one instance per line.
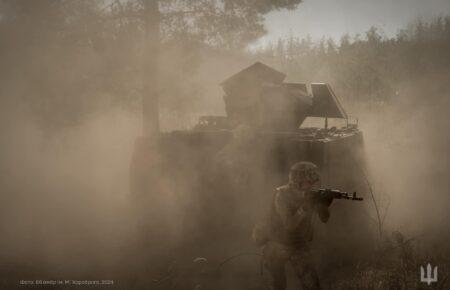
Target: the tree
pixel 229 24
pixel 79 54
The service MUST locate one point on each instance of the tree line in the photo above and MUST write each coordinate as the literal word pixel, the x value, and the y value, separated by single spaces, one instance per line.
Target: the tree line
pixel 68 59
pixel 369 67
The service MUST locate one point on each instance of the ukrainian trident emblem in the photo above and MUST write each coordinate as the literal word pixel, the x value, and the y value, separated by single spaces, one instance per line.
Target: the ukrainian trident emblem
pixel 431 276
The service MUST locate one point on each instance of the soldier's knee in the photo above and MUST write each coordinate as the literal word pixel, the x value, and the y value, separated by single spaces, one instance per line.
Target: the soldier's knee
pixel 275 258
pixel 278 279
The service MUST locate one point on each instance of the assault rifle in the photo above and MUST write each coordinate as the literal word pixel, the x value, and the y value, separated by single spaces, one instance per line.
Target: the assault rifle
pixel 330 194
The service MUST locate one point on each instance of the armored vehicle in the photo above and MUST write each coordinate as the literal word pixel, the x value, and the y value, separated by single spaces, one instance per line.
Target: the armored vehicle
pixel 218 178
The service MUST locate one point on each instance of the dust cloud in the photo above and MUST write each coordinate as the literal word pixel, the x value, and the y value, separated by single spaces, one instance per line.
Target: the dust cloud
pixel 69 123
pixel 406 151
pixel 65 197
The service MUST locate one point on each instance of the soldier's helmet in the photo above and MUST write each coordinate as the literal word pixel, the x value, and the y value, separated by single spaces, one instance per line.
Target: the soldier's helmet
pixel 304 171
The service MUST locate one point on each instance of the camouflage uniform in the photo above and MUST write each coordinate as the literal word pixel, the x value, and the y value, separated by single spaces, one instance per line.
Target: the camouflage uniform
pixel 290 229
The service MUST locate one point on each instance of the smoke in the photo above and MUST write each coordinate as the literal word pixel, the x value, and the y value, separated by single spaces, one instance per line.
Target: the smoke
pixel 405 145
pixel 66 208
pixel 65 196
pixel 65 205
pixel 64 201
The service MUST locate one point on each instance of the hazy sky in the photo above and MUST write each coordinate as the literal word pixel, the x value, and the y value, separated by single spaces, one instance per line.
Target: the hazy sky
pixel 335 17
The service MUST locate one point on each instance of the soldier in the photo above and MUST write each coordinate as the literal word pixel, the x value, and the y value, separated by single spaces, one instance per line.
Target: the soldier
pixel 285 236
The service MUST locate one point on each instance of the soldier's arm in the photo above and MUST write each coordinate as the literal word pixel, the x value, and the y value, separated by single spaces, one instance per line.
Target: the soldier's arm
pixel 323 212
pixel 290 221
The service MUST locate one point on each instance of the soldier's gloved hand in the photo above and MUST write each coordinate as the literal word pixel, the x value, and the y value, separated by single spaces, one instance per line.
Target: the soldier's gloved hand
pixel 327 201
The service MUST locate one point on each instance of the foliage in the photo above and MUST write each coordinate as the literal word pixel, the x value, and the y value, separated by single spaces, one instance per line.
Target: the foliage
pixel 228 23
pixel 395 265
pixel 69 59
pixel 371 68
